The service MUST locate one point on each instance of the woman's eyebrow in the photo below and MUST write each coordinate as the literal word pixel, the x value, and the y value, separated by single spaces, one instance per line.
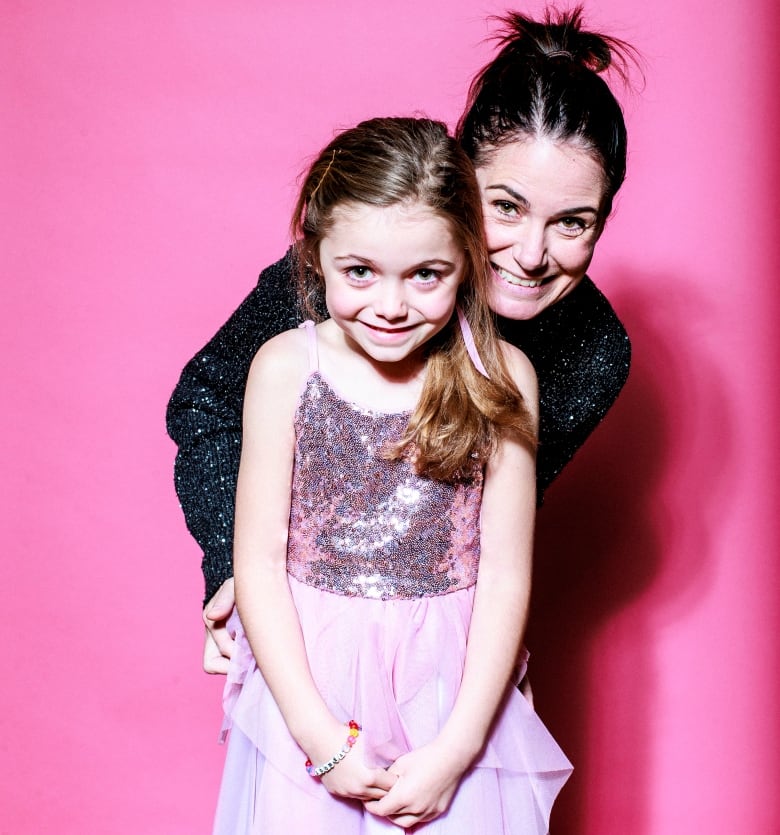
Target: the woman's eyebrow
pixel 510 191
pixel 576 210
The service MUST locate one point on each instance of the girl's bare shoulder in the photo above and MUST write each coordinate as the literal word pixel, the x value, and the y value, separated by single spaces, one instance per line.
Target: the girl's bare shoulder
pixel 281 363
pixel 519 366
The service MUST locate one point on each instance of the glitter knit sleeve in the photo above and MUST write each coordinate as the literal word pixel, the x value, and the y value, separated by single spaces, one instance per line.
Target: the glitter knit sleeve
pixel 582 355
pixel 204 416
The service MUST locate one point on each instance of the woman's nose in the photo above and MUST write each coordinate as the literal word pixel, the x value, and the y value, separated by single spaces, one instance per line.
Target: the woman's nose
pixel 530 249
pixel 390 300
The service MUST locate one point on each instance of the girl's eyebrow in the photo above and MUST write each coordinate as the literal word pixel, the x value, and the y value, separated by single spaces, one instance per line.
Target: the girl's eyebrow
pixel 430 262
pixel 434 262
pixel 577 210
pixel 351 257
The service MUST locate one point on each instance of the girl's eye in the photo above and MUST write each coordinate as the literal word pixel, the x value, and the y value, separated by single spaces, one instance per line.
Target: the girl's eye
pixel 359 273
pixel 426 276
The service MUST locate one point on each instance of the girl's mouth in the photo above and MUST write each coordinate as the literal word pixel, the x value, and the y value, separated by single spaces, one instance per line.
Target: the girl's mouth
pixel 380 329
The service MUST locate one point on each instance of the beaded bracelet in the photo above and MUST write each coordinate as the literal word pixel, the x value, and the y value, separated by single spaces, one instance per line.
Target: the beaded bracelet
pixel 354 731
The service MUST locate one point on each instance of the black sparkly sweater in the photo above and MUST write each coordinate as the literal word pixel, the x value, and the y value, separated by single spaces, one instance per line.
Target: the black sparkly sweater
pixel 578 347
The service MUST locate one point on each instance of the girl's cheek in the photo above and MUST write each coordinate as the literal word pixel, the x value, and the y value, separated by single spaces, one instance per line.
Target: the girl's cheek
pixel 446 306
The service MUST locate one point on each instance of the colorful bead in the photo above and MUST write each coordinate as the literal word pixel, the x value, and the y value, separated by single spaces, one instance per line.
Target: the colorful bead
pixel 354 731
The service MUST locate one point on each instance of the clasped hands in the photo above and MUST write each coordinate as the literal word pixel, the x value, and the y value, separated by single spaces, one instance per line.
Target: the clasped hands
pixel 417 787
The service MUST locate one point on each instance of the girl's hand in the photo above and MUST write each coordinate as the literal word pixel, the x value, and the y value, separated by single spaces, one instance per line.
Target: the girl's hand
pixel 353 778
pixel 426 782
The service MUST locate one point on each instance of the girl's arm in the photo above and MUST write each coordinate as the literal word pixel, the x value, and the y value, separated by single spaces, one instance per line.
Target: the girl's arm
pixel 429 776
pixel 263 595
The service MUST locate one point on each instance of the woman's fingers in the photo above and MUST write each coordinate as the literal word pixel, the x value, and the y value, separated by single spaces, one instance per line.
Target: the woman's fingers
pixel 221 604
pixel 215 660
pixel 219 645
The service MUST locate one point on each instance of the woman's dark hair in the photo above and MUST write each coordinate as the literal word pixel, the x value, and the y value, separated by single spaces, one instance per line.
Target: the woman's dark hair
pixel 546 82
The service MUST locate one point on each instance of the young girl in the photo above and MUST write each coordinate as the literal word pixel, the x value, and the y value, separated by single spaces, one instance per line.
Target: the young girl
pixel 384 520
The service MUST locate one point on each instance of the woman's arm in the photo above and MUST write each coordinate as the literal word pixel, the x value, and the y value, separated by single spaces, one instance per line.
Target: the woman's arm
pixel 263 595
pixel 431 774
pixel 582 355
pixel 584 383
pixel 204 416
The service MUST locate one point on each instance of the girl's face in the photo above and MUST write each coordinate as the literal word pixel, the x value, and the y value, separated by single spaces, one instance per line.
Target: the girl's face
pixel 391 277
pixel 542 202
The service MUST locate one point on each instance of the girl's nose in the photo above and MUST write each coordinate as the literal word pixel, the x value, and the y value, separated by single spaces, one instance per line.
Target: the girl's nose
pixel 390 300
pixel 530 250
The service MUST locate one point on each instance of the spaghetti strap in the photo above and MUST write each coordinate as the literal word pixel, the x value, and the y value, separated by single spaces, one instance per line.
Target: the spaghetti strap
pixel 468 338
pixel 311 342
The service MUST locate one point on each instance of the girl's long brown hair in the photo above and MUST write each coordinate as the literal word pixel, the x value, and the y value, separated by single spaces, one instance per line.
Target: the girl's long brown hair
pixel 461 415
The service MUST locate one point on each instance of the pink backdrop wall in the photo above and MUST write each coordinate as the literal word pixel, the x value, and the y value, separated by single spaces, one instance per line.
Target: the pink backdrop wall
pixel 149 154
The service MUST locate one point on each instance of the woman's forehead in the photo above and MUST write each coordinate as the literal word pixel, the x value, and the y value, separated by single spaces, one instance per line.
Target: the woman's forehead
pixel 543 166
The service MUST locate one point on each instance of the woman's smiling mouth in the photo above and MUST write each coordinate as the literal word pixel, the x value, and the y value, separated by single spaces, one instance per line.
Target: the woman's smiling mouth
pixel 514 280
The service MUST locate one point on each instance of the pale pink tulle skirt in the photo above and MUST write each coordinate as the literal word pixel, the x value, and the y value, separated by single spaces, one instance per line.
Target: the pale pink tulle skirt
pixel 394 666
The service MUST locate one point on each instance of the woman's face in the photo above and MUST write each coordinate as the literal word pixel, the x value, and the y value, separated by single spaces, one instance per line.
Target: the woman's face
pixel 542 202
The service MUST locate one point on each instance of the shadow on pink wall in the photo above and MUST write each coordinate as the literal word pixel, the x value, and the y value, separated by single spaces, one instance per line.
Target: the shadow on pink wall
pixel 614 560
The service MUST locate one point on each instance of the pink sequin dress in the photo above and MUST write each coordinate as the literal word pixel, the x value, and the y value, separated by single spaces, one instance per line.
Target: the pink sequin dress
pixel 382 565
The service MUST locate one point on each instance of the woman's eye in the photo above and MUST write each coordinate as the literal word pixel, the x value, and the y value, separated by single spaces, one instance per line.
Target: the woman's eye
pixel 426 276
pixel 505 207
pixel 572 225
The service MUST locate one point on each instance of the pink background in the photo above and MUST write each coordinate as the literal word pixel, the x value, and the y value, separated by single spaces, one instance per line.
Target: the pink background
pixel 151 153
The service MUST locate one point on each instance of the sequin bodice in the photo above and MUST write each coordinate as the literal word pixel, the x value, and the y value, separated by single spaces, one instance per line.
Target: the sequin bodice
pixel 361 525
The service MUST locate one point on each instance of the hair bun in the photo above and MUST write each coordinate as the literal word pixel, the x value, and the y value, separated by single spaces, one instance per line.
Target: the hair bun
pixel 546 80
pixel 559 36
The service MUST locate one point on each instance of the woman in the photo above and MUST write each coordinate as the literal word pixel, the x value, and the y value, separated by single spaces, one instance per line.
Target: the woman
pixel 548 142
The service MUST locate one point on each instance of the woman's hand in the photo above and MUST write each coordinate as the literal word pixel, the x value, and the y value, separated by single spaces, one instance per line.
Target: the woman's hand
pixel 219 645
pixel 426 780
pixel 525 688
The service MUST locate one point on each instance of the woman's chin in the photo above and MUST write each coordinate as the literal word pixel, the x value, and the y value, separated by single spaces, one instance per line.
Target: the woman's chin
pixel 522 303
pixel 510 304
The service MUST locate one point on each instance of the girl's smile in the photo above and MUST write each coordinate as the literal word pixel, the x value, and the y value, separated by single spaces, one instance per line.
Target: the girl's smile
pixel 388 335
pixel 391 278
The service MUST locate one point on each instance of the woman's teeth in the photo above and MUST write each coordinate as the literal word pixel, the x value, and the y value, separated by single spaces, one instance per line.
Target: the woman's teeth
pixel 513 279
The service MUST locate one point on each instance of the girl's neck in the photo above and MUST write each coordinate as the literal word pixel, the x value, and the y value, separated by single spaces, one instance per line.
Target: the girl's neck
pixel 385 386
